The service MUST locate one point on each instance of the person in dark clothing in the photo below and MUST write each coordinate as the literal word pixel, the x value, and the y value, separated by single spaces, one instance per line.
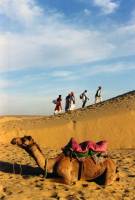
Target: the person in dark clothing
pixel 67 103
pixel 84 98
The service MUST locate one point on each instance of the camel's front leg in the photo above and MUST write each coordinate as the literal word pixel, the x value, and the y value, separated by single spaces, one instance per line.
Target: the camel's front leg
pixel 68 170
pixel 110 174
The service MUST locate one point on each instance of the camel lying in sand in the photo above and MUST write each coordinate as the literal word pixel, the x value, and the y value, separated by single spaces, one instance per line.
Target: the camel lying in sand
pixel 67 168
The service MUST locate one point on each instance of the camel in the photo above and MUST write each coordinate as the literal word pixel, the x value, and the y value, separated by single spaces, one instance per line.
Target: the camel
pixel 69 168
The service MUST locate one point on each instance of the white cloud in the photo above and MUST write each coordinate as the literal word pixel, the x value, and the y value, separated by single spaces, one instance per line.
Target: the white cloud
pixel 109 68
pixel 64 75
pixel 3 53
pixel 61 74
pixel 4 99
pixel 22 11
pixel 49 43
pixel 57 43
pixel 48 47
pixel 123 39
pixel 4 83
pixel 107 6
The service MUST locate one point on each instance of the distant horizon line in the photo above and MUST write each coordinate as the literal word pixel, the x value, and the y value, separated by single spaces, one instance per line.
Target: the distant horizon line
pixel 50 115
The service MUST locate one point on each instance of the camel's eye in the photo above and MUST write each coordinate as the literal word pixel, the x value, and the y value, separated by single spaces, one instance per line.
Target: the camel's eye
pixel 29 137
pixel 24 140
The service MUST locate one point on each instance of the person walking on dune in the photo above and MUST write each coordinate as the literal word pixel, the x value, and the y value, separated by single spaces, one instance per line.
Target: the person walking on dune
pixel 58 107
pixel 72 101
pixel 98 97
pixel 84 98
pixel 67 102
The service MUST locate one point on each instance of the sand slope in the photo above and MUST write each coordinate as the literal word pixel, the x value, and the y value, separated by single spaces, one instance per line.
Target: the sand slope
pixel 112 120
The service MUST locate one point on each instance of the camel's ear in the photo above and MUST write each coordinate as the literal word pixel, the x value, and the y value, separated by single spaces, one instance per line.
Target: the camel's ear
pixel 28 137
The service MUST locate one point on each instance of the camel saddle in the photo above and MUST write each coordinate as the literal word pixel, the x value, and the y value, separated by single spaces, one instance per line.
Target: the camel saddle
pixel 97 151
pixel 85 149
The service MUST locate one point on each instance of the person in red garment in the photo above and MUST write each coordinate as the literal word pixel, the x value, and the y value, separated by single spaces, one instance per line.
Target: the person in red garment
pixel 58 107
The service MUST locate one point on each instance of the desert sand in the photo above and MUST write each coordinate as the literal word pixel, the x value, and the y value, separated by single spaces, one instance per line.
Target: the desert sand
pixel 112 120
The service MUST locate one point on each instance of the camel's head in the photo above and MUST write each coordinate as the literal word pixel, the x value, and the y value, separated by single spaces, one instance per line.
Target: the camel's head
pixel 23 142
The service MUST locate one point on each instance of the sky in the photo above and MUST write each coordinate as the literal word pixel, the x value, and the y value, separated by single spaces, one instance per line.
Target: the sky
pixel 52 47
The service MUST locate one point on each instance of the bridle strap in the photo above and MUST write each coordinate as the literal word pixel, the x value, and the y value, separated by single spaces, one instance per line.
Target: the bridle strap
pixel 80 169
pixel 14 169
pixel 45 168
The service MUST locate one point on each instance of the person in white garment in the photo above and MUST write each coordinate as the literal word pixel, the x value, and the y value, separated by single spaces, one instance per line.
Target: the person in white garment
pixel 72 101
pixel 98 97
pixel 84 98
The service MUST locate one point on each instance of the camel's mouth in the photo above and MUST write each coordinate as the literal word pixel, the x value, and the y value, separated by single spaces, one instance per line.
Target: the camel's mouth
pixel 13 141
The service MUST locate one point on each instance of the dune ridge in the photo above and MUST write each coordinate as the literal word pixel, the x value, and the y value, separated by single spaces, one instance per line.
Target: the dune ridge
pixel 112 120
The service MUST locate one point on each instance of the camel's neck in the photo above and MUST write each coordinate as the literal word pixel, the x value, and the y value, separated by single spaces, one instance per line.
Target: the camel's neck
pixel 51 163
pixel 36 153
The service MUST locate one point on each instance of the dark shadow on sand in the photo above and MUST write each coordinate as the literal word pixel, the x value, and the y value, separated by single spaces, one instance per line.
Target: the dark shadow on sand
pixel 20 169
pixel 24 170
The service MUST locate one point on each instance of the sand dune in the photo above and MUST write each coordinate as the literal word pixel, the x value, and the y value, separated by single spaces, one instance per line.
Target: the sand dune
pixel 112 120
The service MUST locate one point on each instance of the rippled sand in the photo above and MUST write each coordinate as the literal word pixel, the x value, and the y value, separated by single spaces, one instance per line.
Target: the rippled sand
pixel 25 181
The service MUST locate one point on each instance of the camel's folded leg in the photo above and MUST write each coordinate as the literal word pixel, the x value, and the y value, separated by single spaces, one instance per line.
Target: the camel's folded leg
pixel 110 174
pixel 67 169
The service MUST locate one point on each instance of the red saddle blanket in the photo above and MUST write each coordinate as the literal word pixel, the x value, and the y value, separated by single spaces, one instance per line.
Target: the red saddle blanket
pixel 86 146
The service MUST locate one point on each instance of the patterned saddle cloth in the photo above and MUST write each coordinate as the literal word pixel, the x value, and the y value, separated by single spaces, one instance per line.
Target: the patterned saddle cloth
pixel 85 149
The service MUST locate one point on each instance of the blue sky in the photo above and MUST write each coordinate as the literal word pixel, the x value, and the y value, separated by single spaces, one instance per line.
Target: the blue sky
pixel 52 47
